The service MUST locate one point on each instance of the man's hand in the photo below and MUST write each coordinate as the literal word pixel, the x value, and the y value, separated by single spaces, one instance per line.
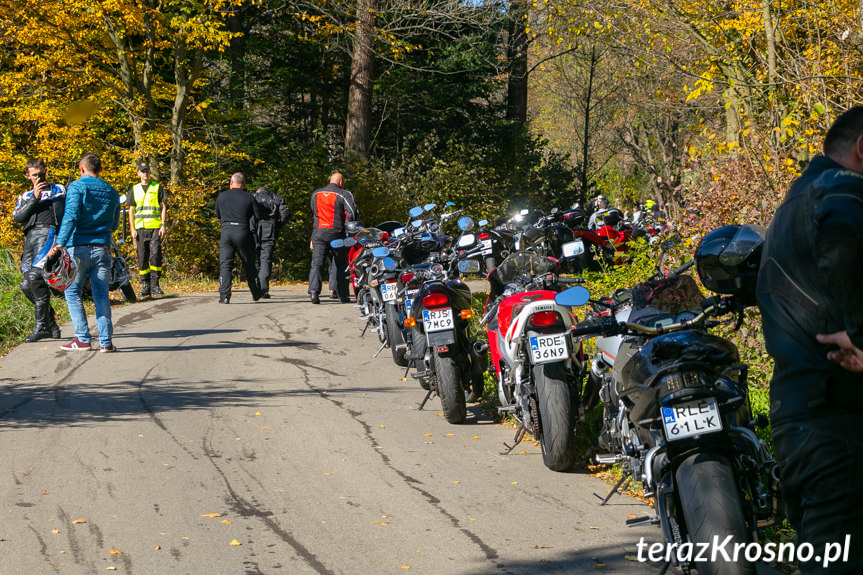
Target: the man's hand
pixel 848 356
pixel 134 235
pixel 39 188
pixel 53 251
pixel 162 232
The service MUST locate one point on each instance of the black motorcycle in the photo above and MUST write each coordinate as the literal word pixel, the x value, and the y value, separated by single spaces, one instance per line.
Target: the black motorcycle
pixel 677 414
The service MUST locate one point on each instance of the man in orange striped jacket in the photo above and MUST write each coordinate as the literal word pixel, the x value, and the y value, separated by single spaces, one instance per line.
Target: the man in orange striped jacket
pixel 332 206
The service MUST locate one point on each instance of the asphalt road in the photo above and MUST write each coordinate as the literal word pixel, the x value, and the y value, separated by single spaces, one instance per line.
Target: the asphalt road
pixel 265 438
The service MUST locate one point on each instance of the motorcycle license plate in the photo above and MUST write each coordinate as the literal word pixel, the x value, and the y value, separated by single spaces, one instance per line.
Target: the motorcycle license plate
pixel 486 247
pixel 389 291
pixel 438 319
pixel 409 298
pixel 546 348
pixel 691 418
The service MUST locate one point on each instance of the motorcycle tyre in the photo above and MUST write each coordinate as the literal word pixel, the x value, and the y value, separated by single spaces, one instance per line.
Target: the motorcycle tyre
pixel 129 292
pixel 396 337
pixel 711 507
pixel 450 389
pixel 557 415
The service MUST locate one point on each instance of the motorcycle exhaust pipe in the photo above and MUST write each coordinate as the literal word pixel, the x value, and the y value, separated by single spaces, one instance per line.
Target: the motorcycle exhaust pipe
pixel 479 347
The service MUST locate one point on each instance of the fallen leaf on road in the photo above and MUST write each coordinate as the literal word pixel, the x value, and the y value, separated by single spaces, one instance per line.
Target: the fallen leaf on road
pixel 544 561
pixel 44 493
pixel 235 543
pixel 157 547
pixel 475 437
pixel 429 434
pixel 110 568
pixel 406 566
pixel 631 516
pixel 226 521
pixel 522 452
pixel 79 521
pixel 599 565
pixel 184 538
pixel 592 527
pixel 257 414
pixel 55 531
pixel 450 434
pixel 631 558
pixel 382 426
pixel 326 473
pixel 211 515
pixel 515 482
pixel 381 523
pixel 543 547
pixel 115 551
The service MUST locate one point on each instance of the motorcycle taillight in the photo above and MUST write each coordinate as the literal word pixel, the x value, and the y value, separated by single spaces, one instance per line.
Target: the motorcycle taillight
pixel 407 277
pixel 483 236
pixel 435 299
pixel 545 319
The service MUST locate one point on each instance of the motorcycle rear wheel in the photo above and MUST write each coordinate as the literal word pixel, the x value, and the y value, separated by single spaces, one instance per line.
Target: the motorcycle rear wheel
pixel 129 292
pixel 449 388
pixel 557 413
pixel 396 337
pixel 711 507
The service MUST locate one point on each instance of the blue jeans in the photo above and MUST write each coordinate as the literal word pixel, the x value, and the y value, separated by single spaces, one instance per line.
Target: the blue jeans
pixel 93 262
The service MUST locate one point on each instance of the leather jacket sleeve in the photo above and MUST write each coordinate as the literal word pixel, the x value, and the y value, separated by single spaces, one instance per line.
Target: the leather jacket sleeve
pixel 24 207
pixel 839 248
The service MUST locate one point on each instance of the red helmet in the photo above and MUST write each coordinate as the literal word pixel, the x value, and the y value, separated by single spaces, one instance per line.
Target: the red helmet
pixel 60 270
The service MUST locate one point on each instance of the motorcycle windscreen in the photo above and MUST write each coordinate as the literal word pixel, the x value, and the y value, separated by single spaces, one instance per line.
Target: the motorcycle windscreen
pixel 674 295
pixel 523 263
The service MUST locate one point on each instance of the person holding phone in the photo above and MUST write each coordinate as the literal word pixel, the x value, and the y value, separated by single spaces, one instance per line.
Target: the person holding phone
pixel 40 210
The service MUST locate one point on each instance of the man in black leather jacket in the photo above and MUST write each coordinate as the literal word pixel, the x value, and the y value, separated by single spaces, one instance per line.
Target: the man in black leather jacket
pixel 810 291
pixel 40 210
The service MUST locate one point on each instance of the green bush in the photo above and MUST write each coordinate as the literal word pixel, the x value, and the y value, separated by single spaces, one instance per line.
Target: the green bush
pixel 16 321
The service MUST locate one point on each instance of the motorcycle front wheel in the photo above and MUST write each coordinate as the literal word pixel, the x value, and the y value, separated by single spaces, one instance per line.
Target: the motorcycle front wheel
pixel 557 415
pixel 711 507
pixel 449 388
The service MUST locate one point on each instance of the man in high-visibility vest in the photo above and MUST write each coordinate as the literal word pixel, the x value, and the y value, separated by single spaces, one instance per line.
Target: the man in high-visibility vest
pixel 147 217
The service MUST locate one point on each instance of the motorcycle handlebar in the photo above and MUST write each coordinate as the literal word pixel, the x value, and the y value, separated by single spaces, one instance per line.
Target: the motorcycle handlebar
pixel 571 281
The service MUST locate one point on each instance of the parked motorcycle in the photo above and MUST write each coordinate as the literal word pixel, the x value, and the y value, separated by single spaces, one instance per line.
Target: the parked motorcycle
pixel 538 369
pixel 677 414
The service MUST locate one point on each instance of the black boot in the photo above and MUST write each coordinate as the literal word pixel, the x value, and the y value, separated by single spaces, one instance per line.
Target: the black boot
pixel 41 330
pixel 145 286
pixel 154 284
pixel 52 323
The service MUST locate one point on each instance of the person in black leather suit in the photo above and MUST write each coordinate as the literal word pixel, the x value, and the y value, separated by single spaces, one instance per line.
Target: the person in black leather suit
pixel 40 210
pixel 237 211
pixel 274 214
pixel 810 292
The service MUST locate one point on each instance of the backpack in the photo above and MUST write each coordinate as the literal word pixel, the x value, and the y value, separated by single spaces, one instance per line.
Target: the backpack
pixel 267 203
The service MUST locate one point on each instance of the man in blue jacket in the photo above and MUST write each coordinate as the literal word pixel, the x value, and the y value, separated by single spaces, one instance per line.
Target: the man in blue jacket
pixel 86 232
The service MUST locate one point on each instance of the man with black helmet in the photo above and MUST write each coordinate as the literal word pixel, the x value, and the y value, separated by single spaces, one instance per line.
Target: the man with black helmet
pixel 274 214
pixel 40 210
pixel 810 291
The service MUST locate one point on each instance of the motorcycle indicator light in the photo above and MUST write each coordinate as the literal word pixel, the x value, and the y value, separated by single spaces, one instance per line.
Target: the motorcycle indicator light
pixel 410 322
pixel 465 314
pixel 545 319
pixel 435 299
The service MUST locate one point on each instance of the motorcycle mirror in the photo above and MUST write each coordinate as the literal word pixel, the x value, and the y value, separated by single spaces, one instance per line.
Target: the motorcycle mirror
pixel 381 251
pixel 339 243
pixel 389 264
pixel 573 297
pixel 449 204
pixel 482 223
pixel 350 242
pixel 466 240
pixel 399 232
pixel 554 210
pixel 417 223
pixel 468 266
pixel 465 223
pixel 429 207
pixel 415 211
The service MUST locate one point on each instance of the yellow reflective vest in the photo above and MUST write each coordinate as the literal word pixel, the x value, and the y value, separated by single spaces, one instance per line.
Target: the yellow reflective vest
pixel 148 211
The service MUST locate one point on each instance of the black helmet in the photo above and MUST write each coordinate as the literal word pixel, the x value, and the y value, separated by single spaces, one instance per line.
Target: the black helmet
pixel 728 259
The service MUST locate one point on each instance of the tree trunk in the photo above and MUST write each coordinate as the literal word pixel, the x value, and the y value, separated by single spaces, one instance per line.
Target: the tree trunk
pixel 237 82
pixel 185 73
pixel 516 53
pixel 585 150
pixel 359 123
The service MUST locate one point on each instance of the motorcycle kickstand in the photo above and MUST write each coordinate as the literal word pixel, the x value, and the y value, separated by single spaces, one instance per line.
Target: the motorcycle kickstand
pixel 626 478
pixel 368 323
pixel 380 349
pixel 664 568
pixel 519 435
pixel 425 399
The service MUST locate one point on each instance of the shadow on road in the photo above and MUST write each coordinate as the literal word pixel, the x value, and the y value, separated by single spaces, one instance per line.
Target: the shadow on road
pixel 24 405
